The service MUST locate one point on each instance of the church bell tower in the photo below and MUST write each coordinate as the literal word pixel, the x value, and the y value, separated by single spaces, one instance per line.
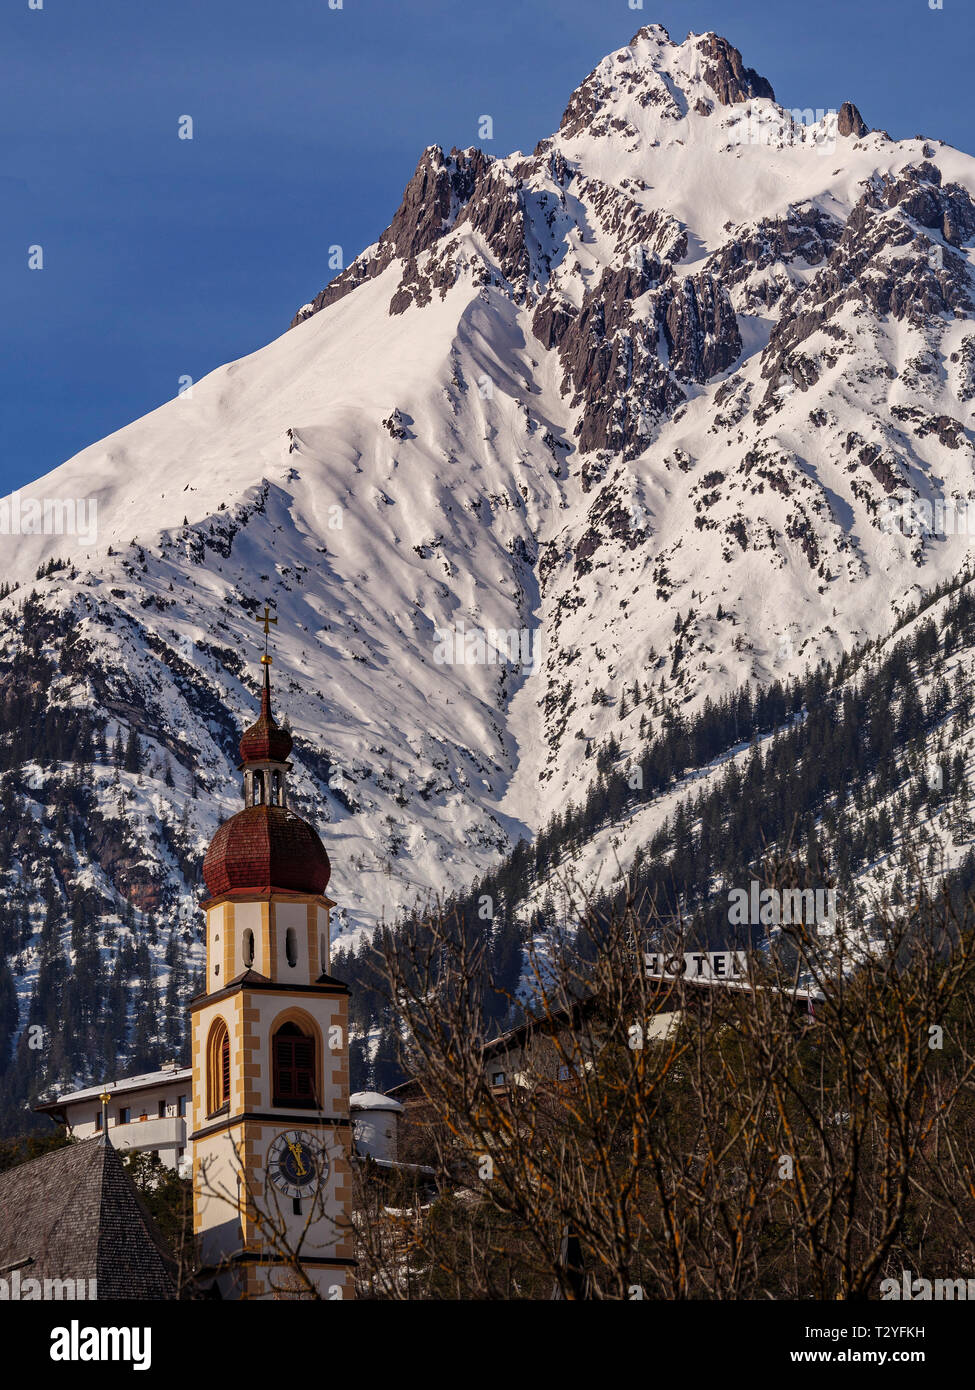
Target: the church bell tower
pixel 271 1133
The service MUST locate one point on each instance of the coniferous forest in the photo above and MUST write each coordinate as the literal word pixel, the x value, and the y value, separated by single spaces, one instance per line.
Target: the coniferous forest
pixel 833 771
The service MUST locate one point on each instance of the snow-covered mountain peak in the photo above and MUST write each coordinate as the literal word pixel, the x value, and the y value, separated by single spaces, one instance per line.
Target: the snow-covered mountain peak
pixel 639 398
pixel 652 83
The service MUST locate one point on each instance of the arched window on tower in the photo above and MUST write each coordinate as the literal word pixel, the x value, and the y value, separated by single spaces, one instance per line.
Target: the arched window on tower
pixel 258 788
pixel 294 1067
pixel 275 789
pixel 291 946
pixel 248 948
pixel 218 1068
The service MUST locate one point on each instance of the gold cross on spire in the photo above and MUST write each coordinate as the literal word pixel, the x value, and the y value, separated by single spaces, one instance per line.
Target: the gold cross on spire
pixel 267 620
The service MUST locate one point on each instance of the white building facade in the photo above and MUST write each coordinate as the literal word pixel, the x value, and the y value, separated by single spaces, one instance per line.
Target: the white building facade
pixel 149 1113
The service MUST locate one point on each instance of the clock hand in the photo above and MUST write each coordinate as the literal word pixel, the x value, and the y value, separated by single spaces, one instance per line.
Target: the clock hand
pixel 296 1154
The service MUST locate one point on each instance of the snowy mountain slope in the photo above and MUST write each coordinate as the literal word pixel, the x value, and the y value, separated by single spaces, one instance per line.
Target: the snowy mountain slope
pixel 358 573
pixel 889 830
pixel 717 456
pixel 602 862
pixel 639 397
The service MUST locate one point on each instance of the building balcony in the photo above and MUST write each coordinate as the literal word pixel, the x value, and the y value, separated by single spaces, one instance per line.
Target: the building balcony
pixel 153 1133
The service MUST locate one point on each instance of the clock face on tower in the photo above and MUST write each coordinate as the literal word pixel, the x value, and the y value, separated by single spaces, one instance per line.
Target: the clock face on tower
pixel 297 1163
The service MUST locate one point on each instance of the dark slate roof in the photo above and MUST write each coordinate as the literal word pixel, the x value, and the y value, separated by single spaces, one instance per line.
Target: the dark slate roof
pixel 75 1213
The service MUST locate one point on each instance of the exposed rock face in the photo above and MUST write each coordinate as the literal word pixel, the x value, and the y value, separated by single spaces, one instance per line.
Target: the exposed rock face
pixel 438 188
pixel 613 357
pixel 440 185
pixel 885 263
pixel 590 107
pixel 963 362
pixel 727 74
pixel 701 329
pixel 948 209
pixel 645 393
pixel 600 268
pixel 495 209
pixel 850 122
pixel 616 212
pixel 882 466
pixel 756 257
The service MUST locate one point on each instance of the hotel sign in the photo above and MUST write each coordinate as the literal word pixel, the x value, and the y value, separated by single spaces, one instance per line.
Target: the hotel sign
pixel 699 965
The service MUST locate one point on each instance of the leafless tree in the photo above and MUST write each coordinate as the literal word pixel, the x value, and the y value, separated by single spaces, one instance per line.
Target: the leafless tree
pixel 804 1136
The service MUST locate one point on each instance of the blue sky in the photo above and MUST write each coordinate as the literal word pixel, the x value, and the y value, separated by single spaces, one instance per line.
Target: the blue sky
pixel 166 257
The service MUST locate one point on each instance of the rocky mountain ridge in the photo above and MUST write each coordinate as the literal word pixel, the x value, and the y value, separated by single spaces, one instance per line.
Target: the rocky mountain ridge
pixel 642 398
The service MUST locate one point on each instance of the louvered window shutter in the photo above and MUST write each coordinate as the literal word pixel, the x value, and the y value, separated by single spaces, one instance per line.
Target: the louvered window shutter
pixel 294 1070
pixel 225 1069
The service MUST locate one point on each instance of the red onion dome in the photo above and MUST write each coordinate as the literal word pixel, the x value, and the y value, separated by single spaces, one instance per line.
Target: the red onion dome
pixel 264 741
pixel 263 849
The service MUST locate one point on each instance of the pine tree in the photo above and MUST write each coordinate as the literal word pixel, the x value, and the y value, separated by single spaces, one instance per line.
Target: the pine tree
pixel 358 1065
pixel 133 753
pixel 9 1015
pixel 386 1068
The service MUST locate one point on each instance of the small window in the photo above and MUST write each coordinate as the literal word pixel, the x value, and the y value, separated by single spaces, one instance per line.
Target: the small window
pixel 181 1105
pixel 291 946
pixel 218 1071
pixel 248 948
pixel 162 1110
pixel 98 1120
pixel 124 1115
pixel 497 1079
pixel 564 1073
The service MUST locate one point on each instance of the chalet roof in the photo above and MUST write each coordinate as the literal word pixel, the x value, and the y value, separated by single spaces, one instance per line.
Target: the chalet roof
pixel 147 1080
pixel 75 1214
pixel 507 1041
pixel 516 1037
